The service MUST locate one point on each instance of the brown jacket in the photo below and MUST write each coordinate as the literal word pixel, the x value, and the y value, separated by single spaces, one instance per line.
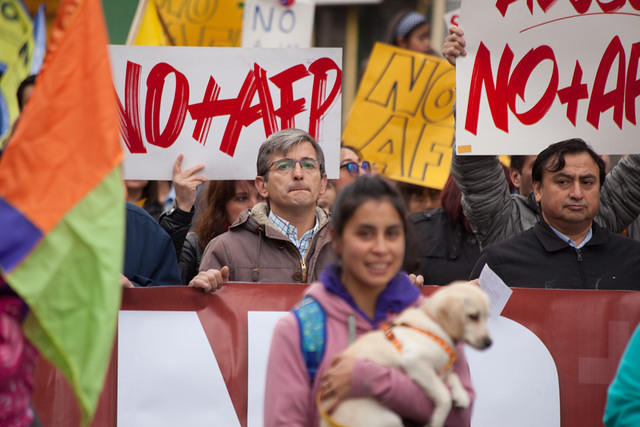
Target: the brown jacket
pixel 255 251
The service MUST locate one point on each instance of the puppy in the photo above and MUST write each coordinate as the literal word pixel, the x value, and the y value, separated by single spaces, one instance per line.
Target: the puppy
pixel 421 342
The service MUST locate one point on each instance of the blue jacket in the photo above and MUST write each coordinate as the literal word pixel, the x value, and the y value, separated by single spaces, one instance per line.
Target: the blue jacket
pixel 149 255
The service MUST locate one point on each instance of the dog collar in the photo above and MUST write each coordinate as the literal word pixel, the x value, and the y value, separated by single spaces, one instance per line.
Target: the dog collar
pixel 324 415
pixel 387 329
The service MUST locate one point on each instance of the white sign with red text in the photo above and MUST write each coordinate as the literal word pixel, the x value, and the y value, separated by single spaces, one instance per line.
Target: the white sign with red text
pixel 217 105
pixel 540 71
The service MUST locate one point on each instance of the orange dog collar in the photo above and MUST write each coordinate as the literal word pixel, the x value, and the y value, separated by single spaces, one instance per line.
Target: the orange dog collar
pixel 387 329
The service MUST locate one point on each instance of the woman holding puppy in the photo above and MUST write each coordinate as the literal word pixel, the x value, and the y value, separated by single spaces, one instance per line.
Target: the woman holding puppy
pixel 364 290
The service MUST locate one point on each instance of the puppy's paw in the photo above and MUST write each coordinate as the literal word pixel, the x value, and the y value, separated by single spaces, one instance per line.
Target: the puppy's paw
pixel 461 399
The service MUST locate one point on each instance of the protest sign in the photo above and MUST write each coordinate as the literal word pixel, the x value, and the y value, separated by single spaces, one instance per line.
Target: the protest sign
pixel 402 118
pixel 267 23
pixel 579 342
pixel 538 72
pixel 202 23
pixel 217 105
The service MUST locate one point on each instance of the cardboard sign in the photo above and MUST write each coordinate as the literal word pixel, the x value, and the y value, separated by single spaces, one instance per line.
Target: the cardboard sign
pixel 402 118
pixel 267 23
pixel 217 105
pixel 202 23
pixel 538 72
pixel 571 351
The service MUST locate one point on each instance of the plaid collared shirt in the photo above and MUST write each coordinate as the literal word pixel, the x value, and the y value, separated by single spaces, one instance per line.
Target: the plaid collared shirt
pixel 292 233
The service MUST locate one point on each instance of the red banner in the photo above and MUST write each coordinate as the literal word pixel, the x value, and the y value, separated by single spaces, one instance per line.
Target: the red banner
pixel 585 332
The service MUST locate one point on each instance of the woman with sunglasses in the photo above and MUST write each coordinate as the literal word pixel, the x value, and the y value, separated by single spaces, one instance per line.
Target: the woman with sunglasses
pixel 351 167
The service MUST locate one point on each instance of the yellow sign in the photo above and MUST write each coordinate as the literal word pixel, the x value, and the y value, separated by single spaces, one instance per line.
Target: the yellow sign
pixel 16 51
pixel 402 118
pixel 203 23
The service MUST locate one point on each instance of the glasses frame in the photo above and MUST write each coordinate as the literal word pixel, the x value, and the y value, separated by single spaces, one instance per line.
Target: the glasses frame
pixel 354 168
pixel 293 164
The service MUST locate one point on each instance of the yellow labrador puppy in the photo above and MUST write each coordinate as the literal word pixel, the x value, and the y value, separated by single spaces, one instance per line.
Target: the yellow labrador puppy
pixel 421 341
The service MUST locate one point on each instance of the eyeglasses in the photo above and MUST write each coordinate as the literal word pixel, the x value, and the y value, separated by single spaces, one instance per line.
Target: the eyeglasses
pixel 354 168
pixel 284 166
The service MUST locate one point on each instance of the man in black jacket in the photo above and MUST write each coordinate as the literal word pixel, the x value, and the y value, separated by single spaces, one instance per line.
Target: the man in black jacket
pixel 566 249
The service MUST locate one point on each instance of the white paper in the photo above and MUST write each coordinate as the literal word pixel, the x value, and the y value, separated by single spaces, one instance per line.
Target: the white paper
pixel 499 293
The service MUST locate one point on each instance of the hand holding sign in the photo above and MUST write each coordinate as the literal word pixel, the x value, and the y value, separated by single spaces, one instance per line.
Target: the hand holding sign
pixel 186 183
pixel 454 44
pixel 210 280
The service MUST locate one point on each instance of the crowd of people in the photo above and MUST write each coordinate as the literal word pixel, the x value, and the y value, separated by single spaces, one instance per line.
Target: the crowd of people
pixel 366 244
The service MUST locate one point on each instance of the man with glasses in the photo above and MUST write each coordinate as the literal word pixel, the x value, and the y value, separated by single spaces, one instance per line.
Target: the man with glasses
pixel 285 239
pixel 351 167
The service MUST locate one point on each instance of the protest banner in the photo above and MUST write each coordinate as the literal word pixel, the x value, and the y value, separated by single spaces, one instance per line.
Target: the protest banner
pixel 202 23
pixel 538 72
pixel 584 335
pixel 402 118
pixel 217 105
pixel 268 23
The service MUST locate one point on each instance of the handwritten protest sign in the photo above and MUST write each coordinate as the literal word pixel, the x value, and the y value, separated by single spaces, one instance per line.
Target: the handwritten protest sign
pixel 541 71
pixel 402 118
pixel 267 23
pixel 202 23
pixel 217 105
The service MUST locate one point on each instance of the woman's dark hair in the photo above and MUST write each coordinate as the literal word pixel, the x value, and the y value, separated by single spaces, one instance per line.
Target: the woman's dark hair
pixel 551 159
pixel 352 148
pixel 150 192
pixel 409 191
pixel 401 18
pixel 360 191
pixel 451 200
pixel 212 220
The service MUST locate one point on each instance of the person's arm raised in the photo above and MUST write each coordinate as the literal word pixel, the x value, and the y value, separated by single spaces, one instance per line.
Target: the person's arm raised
pixel 454 45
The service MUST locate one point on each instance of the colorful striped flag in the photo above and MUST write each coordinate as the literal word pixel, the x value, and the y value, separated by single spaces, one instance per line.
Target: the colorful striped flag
pixel 62 203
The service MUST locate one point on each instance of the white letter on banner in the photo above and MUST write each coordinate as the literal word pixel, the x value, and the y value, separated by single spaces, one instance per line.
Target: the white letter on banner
pixel 167 373
pixel 261 325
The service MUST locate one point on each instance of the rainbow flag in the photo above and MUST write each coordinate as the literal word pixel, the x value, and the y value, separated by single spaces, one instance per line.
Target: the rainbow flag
pixel 62 204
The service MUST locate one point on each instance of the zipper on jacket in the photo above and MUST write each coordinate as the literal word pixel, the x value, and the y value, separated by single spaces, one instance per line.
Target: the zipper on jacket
pixel 303 266
pixel 312 245
pixel 581 267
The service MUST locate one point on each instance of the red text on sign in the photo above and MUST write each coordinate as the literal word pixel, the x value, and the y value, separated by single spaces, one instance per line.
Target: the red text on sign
pixel 501 93
pixel 241 110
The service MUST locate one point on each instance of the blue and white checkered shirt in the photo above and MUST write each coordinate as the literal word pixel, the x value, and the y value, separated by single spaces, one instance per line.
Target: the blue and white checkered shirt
pixel 292 233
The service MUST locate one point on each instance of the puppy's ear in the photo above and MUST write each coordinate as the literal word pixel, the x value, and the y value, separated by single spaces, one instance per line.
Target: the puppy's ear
pixel 450 315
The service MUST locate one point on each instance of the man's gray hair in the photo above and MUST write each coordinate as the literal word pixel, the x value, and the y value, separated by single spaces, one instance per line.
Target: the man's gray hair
pixel 281 142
